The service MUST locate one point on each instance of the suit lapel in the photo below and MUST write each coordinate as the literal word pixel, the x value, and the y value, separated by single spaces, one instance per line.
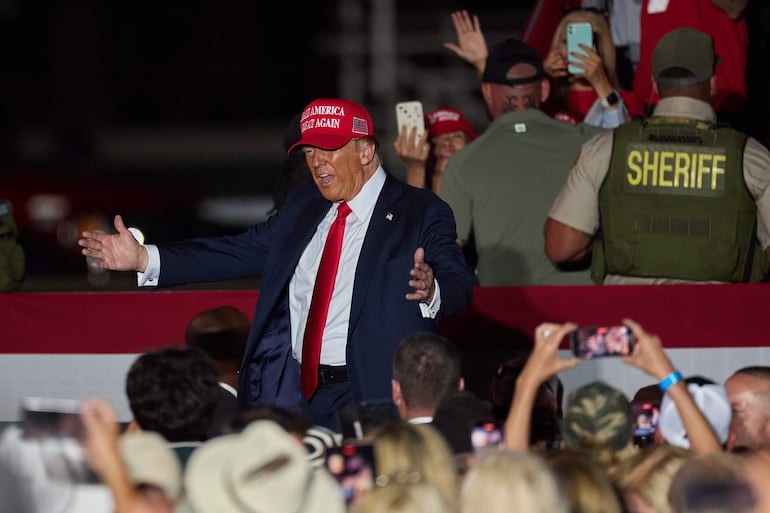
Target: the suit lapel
pixel 381 227
pixel 302 225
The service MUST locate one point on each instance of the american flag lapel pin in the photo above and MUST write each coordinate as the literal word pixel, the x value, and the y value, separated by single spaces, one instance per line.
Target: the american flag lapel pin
pixel 389 216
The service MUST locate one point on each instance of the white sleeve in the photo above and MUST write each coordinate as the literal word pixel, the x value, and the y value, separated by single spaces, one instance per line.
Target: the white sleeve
pixel 149 278
pixel 431 311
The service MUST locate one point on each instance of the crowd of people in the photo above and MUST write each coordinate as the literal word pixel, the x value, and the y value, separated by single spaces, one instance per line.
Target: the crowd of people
pixel 574 181
pixel 709 449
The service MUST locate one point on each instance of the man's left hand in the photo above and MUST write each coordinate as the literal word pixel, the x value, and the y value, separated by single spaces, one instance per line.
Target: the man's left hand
pixel 422 279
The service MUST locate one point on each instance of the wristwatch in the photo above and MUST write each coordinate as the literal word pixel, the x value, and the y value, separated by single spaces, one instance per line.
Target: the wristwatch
pixel 611 99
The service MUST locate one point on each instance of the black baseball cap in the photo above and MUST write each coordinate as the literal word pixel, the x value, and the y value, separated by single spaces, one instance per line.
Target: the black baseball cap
pixel 504 56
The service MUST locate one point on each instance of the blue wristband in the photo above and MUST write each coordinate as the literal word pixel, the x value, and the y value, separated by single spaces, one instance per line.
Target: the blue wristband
pixel 672 379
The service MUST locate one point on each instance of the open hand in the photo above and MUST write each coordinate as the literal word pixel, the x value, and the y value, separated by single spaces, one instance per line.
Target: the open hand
pixel 471 45
pixel 117 252
pixel 422 279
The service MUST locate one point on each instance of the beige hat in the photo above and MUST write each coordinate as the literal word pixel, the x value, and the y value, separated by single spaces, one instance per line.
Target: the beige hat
pixel 151 461
pixel 260 469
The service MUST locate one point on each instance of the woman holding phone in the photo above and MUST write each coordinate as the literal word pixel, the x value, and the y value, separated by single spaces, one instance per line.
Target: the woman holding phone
pixel 591 95
pixel 592 88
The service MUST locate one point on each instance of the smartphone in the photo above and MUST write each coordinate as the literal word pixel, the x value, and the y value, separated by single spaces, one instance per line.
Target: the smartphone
pixel 597 341
pixel 55 426
pixel 410 114
pixel 579 32
pixel 353 467
pixel 48 417
pixel 645 417
pixel 486 434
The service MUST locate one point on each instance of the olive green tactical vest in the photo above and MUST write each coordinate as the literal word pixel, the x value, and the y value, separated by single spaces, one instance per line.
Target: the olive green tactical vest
pixel 674 204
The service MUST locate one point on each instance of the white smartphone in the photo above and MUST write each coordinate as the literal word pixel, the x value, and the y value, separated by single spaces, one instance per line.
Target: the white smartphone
pixel 410 114
pixel 578 32
pixel 45 417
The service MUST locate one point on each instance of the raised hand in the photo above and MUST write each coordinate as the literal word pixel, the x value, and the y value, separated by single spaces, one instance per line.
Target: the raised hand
pixel 422 279
pixel 117 252
pixel 471 45
pixel 648 355
pixel 593 70
pixel 414 152
pixel 555 63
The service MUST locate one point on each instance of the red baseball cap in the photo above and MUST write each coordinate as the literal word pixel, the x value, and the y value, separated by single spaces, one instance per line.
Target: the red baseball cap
pixel 445 120
pixel 329 123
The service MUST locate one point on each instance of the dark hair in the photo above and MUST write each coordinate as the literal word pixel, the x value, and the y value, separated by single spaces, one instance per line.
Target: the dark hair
pixel 755 371
pixel 221 333
pixel 173 392
pixel 290 421
pixel 545 423
pixel 427 366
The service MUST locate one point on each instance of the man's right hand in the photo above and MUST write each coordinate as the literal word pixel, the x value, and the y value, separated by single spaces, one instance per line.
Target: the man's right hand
pixel 116 252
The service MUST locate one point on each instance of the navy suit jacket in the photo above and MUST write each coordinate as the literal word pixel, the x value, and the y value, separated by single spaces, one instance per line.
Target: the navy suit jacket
pixel 404 218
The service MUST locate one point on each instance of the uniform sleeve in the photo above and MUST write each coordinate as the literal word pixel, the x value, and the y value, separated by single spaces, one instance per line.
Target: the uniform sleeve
pixel 577 204
pixel 756 173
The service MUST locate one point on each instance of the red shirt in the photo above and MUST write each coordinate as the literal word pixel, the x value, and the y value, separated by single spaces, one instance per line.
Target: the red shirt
pixel 731 40
pixel 579 102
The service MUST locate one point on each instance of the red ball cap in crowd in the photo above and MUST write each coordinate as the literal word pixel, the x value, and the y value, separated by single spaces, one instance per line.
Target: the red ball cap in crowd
pixel 445 120
pixel 329 123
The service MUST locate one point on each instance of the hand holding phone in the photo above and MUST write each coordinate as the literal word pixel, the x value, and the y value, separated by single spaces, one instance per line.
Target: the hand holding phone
pixel 410 114
pixel 486 434
pixel 48 417
pixel 353 466
pixel 596 341
pixel 578 33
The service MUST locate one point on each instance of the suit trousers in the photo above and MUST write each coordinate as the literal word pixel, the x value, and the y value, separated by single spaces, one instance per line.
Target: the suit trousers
pixel 326 400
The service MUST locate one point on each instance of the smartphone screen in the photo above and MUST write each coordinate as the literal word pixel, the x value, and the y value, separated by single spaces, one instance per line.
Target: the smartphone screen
pixel 56 428
pixel 486 434
pixel 598 341
pixel 578 33
pixel 645 417
pixel 46 417
pixel 353 467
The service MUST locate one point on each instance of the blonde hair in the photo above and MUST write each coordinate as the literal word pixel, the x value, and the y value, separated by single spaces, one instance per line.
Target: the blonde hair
pixel 588 484
pixel 402 498
pixel 419 450
pixel 603 34
pixel 648 474
pixel 503 480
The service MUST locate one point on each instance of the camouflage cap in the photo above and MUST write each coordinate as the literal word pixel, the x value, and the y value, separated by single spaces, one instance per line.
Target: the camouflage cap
pixel 597 419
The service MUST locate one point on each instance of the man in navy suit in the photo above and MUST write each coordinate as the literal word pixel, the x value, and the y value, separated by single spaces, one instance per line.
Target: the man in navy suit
pixel 400 270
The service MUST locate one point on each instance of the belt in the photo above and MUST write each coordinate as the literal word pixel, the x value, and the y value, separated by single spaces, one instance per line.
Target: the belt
pixel 332 374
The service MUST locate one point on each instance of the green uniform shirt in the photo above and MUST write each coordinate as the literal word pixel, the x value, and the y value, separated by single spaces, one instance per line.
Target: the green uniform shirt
pixel 501 186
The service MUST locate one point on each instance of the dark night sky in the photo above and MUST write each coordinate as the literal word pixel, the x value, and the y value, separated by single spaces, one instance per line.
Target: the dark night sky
pixel 141 61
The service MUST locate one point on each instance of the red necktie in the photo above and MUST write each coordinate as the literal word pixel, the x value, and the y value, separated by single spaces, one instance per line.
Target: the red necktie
pixel 319 306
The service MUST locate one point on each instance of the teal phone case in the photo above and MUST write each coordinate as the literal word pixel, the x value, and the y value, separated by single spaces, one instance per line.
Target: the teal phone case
pixel 578 32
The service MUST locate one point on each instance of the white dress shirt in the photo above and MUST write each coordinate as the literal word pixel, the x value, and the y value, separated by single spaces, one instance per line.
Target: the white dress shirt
pixel 302 282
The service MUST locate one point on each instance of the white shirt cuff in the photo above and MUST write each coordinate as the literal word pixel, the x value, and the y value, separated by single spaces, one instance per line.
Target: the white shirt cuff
pixel 149 278
pixel 431 311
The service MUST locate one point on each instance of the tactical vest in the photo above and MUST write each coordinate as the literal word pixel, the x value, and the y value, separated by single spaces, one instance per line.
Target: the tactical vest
pixel 674 204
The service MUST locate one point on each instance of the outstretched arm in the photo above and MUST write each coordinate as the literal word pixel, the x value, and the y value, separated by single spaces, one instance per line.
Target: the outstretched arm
pixel 650 357
pixel 117 252
pixel 471 45
pixel 543 363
